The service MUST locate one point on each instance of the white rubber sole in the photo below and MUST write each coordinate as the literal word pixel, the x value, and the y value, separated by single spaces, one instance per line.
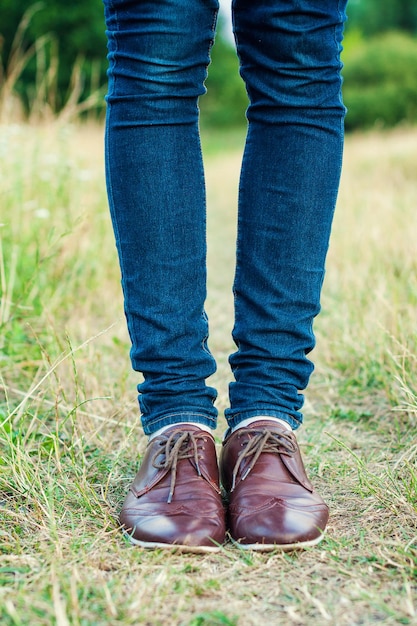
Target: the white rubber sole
pixel 173 547
pixel 256 547
pixel 271 547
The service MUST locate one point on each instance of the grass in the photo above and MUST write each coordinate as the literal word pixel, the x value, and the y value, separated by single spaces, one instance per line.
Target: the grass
pixel 43 99
pixel 70 438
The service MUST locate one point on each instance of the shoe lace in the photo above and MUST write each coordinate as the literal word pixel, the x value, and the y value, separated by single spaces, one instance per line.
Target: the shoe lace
pixel 177 446
pixel 259 442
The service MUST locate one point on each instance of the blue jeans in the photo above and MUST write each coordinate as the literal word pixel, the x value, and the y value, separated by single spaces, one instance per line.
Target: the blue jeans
pixel 289 53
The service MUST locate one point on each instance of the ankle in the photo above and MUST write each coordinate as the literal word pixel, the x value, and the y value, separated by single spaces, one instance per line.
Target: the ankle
pixel 183 425
pixel 261 418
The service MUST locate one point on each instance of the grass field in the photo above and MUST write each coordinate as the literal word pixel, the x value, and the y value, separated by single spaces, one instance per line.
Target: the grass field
pixel 70 438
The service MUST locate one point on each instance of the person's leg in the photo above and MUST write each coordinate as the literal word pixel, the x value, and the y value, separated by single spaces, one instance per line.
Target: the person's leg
pixel 158 57
pixel 290 61
pixel 289 55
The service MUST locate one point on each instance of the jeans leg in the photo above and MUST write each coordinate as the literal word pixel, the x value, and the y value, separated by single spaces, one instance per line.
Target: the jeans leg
pixel 158 57
pixel 290 60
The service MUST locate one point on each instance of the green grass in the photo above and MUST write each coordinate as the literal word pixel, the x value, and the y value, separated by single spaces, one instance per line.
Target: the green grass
pixel 70 439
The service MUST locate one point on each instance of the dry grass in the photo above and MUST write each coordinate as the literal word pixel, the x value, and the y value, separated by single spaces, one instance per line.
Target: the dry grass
pixel 42 98
pixel 70 436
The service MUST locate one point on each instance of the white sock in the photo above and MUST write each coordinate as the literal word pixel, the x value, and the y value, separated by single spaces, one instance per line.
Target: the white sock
pixel 263 418
pixel 185 424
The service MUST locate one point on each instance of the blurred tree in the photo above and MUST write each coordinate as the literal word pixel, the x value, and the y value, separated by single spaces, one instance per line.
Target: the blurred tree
pixel 77 30
pixel 78 26
pixel 226 100
pixel 381 82
pixel 377 16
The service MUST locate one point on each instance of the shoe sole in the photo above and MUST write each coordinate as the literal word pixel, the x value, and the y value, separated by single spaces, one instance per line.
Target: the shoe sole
pixel 271 547
pixel 173 547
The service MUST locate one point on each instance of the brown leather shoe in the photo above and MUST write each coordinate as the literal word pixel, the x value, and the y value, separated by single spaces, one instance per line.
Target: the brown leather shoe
pixel 175 501
pixel 272 503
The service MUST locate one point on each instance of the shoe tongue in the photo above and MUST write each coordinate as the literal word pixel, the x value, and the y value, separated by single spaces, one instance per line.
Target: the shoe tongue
pixel 294 464
pixel 180 428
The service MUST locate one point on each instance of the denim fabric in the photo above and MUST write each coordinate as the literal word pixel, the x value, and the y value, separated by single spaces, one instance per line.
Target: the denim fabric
pixel 289 53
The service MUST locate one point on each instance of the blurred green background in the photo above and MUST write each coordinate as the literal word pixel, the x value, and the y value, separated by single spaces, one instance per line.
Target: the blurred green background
pixel 58 54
